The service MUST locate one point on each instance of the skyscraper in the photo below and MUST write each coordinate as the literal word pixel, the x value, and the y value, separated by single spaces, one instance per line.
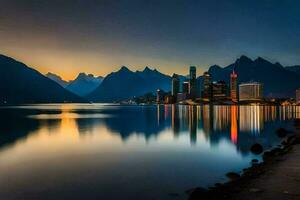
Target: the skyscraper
pixel 219 90
pixel 185 87
pixel 252 91
pixel 193 82
pixel 175 85
pixel 159 96
pixel 207 89
pixel 233 86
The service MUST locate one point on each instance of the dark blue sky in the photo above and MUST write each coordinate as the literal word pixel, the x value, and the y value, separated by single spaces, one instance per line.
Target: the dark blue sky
pixel 67 37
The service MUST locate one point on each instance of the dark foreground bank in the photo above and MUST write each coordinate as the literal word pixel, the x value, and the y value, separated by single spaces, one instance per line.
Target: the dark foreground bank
pixel 277 178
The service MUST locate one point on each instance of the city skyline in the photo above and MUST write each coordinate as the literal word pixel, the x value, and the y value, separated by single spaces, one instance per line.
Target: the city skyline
pixel 99 37
pixel 159 99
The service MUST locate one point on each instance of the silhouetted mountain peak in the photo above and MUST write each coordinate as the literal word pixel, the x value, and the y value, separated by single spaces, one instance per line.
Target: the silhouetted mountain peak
pixel 263 71
pixel 6 57
pixel 214 67
pixel 84 84
pixel 81 75
pixel 23 84
pixel 57 79
pixel 87 77
pixel 147 69
pixel 50 74
pixel 136 83
pixel 278 64
pixel 124 68
pixel 244 58
pixel 241 62
pixel 261 60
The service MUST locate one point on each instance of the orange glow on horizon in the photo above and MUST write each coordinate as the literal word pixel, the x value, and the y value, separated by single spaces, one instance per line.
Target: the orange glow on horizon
pixel 68 65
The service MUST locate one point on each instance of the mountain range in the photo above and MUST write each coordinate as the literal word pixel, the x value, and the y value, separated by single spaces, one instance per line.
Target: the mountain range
pixel 125 84
pixel 21 84
pixel 82 85
pixel 57 79
pixel 278 81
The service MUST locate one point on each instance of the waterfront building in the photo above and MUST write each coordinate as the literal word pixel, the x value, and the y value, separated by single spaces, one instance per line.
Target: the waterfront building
pixel 169 99
pixel 219 90
pixel 252 91
pixel 233 86
pixel 185 87
pixel 159 96
pixel 298 96
pixel 181 96
pixel 207 86
pixel 175 85
pixel 193 82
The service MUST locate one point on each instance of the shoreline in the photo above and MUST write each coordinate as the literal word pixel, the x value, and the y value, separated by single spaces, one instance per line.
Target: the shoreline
pixel 245 186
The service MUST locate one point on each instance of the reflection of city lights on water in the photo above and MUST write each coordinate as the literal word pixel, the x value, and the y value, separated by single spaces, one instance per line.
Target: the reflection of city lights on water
pixel 234 128
pixel 251 119
pixel 230 119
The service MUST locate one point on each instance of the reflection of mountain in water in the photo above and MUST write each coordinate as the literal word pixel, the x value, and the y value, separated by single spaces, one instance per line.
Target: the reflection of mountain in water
pixel 126 121
pixel 14 126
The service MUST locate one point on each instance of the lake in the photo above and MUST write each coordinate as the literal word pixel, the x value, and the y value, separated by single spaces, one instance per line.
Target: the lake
pixel 103 151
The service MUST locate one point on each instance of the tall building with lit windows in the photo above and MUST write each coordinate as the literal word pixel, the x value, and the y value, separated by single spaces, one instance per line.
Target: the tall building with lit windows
pixel 219 90
pixel 175 85
pixel 233 86
pixel 159 96
pixel 207 86
pixel 252 91
pixel 185 87
pixel 193 83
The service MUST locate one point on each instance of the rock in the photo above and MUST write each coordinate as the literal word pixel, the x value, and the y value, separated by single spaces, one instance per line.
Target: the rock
pixel 267 155
pixel 281 132
pixel 291 140
pixel 198 193
pixel 257 148
pixel 254 162
pixel 277 151
pixel 174 194
pixel 255 190
pixel 233 175
pixel 297 123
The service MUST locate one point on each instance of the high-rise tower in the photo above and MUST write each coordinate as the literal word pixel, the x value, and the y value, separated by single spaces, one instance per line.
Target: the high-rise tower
pixel 207 86
pixel 233 86
pixel 193 82
pixel 186 87
pixel 175 85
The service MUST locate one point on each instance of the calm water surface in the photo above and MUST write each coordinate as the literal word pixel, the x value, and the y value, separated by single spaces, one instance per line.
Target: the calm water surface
pixel 79 151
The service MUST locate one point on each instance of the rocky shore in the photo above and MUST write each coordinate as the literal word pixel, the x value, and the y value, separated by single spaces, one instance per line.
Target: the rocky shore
pixel 277 177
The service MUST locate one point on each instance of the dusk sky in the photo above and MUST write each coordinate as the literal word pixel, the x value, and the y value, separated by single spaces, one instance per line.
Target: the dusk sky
pixel 98 36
